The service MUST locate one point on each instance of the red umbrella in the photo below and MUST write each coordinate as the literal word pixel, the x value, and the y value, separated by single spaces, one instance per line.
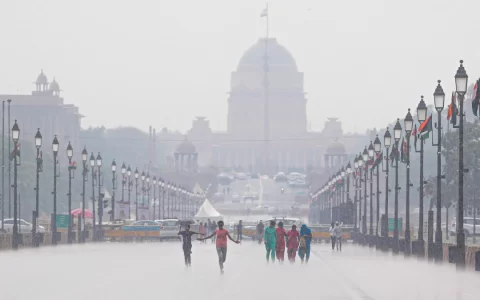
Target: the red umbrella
pixel 78 211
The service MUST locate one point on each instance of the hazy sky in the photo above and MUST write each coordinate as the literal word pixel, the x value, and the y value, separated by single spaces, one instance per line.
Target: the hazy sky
pixel 160 63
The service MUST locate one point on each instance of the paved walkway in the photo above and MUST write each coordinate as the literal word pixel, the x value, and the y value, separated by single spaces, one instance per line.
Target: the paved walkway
pixel 156 271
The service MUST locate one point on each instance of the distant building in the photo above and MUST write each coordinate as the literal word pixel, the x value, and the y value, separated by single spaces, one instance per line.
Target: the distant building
pixel 45 109
pixel 292 145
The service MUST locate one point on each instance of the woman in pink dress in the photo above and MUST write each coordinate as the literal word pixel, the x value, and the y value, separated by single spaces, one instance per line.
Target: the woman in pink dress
pixel 280 246
pixel 292 243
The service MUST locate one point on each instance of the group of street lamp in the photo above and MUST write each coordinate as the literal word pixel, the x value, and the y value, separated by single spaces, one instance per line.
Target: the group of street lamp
pixel 329 198
pixel 171 196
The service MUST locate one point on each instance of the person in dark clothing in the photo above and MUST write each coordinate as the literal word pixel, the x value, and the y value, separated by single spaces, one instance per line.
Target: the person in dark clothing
pixel 239 230
pixel 187 244
pixel 260 231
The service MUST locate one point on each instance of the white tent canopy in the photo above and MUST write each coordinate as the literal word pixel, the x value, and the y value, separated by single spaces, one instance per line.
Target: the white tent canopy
pixel 207 211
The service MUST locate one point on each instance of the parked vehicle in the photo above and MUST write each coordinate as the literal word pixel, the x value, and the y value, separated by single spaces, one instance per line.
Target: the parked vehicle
pixel 23 226
pixel 467 226
pixel 169 228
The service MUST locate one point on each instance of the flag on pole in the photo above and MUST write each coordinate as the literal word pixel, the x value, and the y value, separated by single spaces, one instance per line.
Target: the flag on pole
pixel 264 13
pixel 378 159
pixel 425 128
pixel 15 152
pixel 394 153
pixel 414 134
pixel 403 151
pixel 475 98
pixel 452 111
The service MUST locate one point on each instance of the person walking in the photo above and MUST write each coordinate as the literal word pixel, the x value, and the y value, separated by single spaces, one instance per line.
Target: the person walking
pixel 292 243
pixel 338 235
pixel 332 235
pixel 280 246
pixel 305 240
pixel 240 231
pixel 187 244
pixel 270 240
pixel 260 231
pixel 221 235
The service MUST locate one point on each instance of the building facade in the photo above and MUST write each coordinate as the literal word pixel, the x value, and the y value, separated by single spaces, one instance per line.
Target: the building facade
pixel 45 109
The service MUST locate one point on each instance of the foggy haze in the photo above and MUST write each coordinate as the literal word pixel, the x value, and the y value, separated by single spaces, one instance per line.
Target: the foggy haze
pixel 160 63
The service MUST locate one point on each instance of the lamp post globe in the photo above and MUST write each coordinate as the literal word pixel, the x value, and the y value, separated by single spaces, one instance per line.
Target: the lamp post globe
pixel 408 123
pixel 15 132
pixel 365 155
pixel 371 150
pixel 377 145
pixel 143 176
pixel 136 174
pixel 154 180
pixel 397 131
pixel 99 160
pixel 114 166
pixel 92 160
pixel 69 151
pixel 387 139
pixel 55 145
pixel 421 111
pixel 349 168
pixel 84 155
pixel 129 171
pixel 360 160
pixel 461 80
pixel 124 169
pixel 38 139
pixel 439 97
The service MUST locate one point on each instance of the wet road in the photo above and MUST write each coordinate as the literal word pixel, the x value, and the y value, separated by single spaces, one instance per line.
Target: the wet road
pixel 156 270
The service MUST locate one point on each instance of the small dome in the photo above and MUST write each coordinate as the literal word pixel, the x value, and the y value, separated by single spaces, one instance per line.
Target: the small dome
pixel 336 148
pixel 41 78
pixel 186 147
pixel 54 86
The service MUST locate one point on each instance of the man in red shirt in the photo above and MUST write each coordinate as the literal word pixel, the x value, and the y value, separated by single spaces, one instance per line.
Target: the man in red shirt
pixel 221 243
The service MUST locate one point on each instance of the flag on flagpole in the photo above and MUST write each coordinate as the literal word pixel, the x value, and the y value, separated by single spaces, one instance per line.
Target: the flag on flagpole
pixel 264 13
pixel 378 159
pixel 414 134
pixel 452 111
pixel 15 152
pixel 425 128
pixel 475 98
pixel 403 152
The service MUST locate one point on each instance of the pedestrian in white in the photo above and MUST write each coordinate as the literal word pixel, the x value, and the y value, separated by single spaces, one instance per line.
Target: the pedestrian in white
pixel 332 235
pixel 338 235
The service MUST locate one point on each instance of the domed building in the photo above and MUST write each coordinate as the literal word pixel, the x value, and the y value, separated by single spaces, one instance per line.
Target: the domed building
pixel 267 78
pixel 46 110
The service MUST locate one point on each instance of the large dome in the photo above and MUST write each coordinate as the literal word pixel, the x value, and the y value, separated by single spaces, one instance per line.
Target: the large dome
pixel 278 57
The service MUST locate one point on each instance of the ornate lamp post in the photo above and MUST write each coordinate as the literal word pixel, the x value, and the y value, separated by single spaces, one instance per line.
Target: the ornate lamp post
pixel 397 133
pixel 38 144
pixel 124 172
pixel 461 81
pixel 92 165
pixel 100 200
pixel 136 194
pixel 371 154
pixel 387 141
pixel 360 216
pixel 355 200
pixel 114 170
pixel 147 179
pixel 364 219
pixel 439 101
pixel 421 116
pixel 129 187
pixel 15 138
pixel 55 147
pixel 70 169
pixel 408 123
pixel 154 181
pixel 84 179
pixel 143 188
pixel 377 146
